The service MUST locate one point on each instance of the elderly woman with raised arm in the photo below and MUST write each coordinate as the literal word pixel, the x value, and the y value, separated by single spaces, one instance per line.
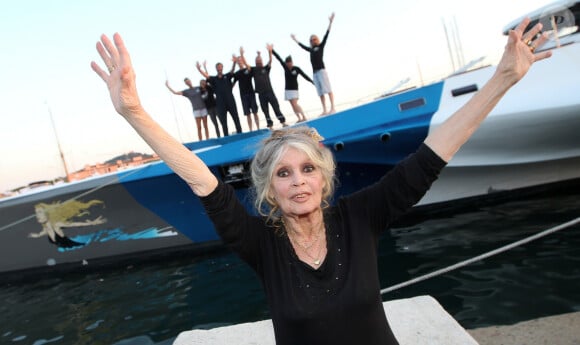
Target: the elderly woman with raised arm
pixel 317 262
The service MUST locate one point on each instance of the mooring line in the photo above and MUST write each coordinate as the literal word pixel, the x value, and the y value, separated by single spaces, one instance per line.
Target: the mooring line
pixel 482 256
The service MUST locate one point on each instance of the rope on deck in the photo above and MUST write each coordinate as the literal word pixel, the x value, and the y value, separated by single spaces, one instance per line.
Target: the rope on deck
pixel 482 256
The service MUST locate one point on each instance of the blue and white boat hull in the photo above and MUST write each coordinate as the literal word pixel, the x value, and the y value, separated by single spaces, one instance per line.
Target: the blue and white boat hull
pixel 530 139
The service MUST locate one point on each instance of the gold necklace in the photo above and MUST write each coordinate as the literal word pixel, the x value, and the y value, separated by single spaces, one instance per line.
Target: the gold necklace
pixel 315 260
pixel 308 246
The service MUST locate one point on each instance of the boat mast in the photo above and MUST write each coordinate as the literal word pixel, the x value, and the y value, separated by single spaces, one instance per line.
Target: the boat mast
pixel 174 113
pixel 67 176
pixel 448 45
pixel 454 45
pixel 457 43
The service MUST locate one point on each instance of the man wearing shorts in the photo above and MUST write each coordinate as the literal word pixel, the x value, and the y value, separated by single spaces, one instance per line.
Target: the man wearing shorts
pixel 320 76
pixel 263 87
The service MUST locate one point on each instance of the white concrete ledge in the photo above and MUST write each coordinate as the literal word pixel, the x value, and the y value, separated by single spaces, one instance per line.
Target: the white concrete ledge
pixel 561 329
pixel 418 320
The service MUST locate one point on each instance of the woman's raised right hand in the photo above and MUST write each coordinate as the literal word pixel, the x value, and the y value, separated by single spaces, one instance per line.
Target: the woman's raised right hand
pixel 119 76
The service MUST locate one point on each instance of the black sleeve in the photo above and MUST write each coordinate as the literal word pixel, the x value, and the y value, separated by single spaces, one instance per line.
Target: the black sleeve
pixel 398 190
pixel 323 43
pixel 279 59
pixel 236 227
pixel 307 48
pixel 304 75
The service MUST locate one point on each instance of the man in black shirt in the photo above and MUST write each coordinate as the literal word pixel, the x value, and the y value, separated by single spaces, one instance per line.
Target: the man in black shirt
pixel 247 94
pixel 264 89
pixel 320 76
pixel 225 102
pixel 208 97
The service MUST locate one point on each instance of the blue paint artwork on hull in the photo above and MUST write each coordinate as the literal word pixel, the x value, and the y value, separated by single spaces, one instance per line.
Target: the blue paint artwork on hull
pixel 118 234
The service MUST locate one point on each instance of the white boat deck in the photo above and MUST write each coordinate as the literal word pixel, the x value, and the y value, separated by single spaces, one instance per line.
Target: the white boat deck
pixel 418 320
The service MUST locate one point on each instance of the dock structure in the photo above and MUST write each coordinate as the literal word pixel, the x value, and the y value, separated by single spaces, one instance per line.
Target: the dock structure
pixel 417 320
pixel 563 329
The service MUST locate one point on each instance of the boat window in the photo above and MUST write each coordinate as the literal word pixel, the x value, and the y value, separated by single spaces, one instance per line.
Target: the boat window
pixel 463 90
pixel 566 18
pixel 415 103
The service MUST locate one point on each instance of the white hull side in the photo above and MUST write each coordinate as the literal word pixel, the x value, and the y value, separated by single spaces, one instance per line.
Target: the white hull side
pixel 476 181
pixel 531 138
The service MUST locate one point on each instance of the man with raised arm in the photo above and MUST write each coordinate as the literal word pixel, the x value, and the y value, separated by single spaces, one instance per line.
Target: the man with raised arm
pixel 321 81
pixel 263 87
pixel 225 101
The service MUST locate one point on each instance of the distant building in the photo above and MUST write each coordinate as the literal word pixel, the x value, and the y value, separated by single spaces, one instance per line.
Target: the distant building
pixel 131 159
pixel 6 194
pixel 124 161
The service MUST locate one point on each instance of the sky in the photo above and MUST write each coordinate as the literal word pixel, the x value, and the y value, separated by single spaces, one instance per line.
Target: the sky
pixel 47 47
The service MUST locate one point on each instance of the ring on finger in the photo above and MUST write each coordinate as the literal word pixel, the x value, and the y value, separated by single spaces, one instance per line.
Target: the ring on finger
pixel 111 68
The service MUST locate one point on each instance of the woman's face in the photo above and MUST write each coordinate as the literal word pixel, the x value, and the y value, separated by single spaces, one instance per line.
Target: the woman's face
pixel 297 184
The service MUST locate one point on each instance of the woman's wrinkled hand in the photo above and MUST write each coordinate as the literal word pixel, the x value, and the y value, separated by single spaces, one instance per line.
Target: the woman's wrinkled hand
pixel 119 75
pixel 519 54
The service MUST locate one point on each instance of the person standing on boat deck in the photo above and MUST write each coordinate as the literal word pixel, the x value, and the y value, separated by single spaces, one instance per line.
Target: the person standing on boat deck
pixel 317 263
pixel 247 94
pixel 199 110
pixel 320 76
pixel 225 101
pixel 291 74
pixel 263 87
pixel 208 97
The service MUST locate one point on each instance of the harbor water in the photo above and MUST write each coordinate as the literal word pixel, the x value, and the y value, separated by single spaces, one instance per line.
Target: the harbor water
pixel 152 302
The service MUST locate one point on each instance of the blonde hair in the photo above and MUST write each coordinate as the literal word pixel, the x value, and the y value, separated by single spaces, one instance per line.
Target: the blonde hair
pixel 303 138
pixel 62 212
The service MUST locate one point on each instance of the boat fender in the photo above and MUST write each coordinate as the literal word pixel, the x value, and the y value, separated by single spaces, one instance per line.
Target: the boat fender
pixel 338 146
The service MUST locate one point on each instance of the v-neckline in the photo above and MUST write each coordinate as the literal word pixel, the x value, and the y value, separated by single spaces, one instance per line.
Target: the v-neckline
pixel 295 255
